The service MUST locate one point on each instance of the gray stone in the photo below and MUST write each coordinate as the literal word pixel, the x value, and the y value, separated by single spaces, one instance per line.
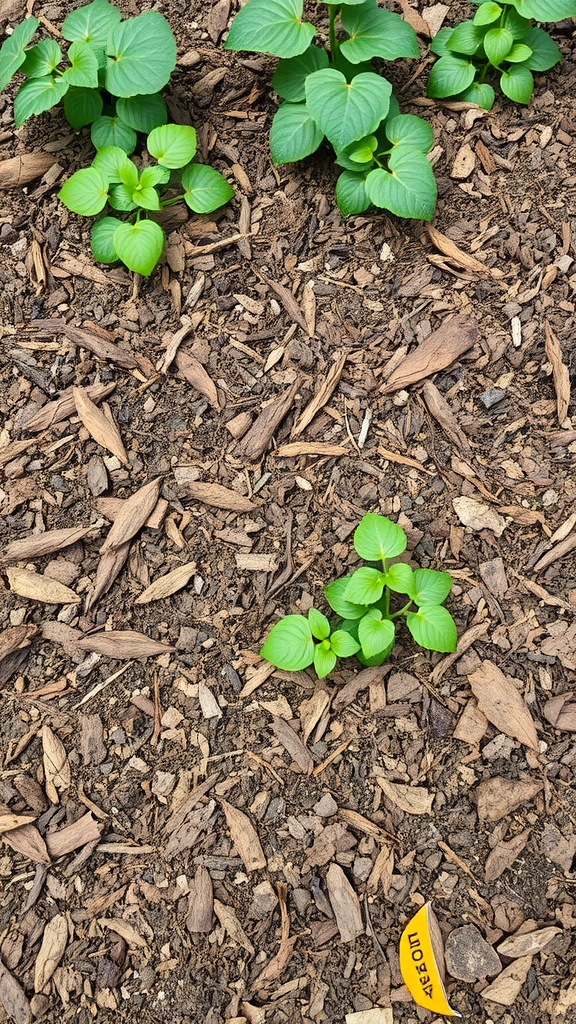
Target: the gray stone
pixel 469 957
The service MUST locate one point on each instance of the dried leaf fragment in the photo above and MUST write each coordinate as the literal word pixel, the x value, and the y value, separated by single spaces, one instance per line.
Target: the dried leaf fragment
pixel 244 837
pixel 294 448
pixel 411 799
pixel 502 704
pixel 478 516
pixel 457 256
pixel 560 711
pixel 216 495
pixel 441 348
pixel 497 797
pixel 54 942
pixel 9 821
pixel 192 370
pixel 344 903
pixel 231 924
pixel 101 427
pixel 503 856
pixel 528 942
pixel 38 544
pixel 560 376
pixel 168 584
pixel 37 587
pixel 123 644
pixel 327 388
pixel 13 998
pixel 56 765
pixel 132 515
pixel 200 903
pixel 507 985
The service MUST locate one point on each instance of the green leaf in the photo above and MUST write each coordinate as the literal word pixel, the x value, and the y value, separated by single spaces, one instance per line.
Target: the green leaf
pixel 497 43
pixel 290 75
pixel 318 624
pixel 120 198
pixel 173 145
pixel 84 70
pixel 351 193
pixel 449 76
pixel 128 172
pixel 375 633
pixel 377 538
pixel 546 10
pixel 545 52
pixel 324 659
pixel 519 54
pixel 82 106
pixel 343 644
pixel 139 245
pixel 486 14
pixel 408 188
pixel 480 93
pixel 271 26
pixel 37 95
pixel 517 83
pixel 430 586
pixel 111 131
pixel 376 32
pixel 147 198
pixel 400 578
pixel 86 192
pixel 365 586
pixel 362 151
pixel 41 59
pixel 344 111
pixel 142 55
pixel 154 175
pixel 112 161
pixel 438 44
pixel 101 240
pixel 12 53
pixel 205 188
pixel 289 644
pixel 92 23
pixel 515 24
pixel 409 130
pixel 465 38
pixel 433 627
pixel 294 133
pixel 334 593
pixel 142 113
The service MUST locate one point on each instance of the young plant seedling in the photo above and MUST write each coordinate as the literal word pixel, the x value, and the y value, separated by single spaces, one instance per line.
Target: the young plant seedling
pixel 500 43
pixel 115 180
pixel 335 94
pixel 364 605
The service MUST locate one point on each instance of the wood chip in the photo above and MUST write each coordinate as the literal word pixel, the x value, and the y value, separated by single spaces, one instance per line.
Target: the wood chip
pixel 528 943
pixel 97 345
pixel 122 644
pixel 38 587
pixel 560 376
pixel 54 942
pixel 293 744
pixel 13 998
pixel 344 903
pixel 200 915
pixel 38 544
pixel 498 797
pixel 503 856
pixel 17 171
pixel 274 969
pixel 168 584
pixel 506 988
pixel 256 441
pixel 478 516
pixel 502 704
pixel 288 301
pixel 82 832
pixel 327 387
pixel 132 515
pixel 232 926
pixel 438 408
pixel 10 821
pixel 411 799
pixel 244 837
pixel 560 711
pixel 294 448
pixel 64 407
pixel 56 767
pixel 192 370
pixel 100 427
pixel 439 350
pixel 458 257
pixel 215 495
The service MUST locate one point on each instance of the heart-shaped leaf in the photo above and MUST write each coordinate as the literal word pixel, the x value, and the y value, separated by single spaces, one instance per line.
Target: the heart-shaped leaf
pixel 290 76
pixel 377 538
pixel 92 23
pixel 375 633
pixel 400 578
pixel 84 69
pixel 82 106
pixel 334 594
pixel 271 26
pixel 205 188
pixel 142 113
pixel 343 644
pixel 430 586
pixel 449 76
pixel 112 162
pixel 101 240
pixel 486 14
pixel 289 644
pixel 497 43
pixel 120 198
pixel 433 627
pixel 517 83
pixel 408 188
pixel 545 10
pixel 139 245
pixel 376 32
pixel 151 176
pixel 409 130
pixel 41 59
pixel 519 54
pixel 111 131
pixel 438 44
pixel 465 38
pixel 318 624
pixel 173 145
pixel 545 52
pixel 12 53
pixel 294 133
pixel 480 93
pixel 37 95
pixel 346 111
pixel 351 193
pixel 365 586
pixel 86 192
pixel 142 55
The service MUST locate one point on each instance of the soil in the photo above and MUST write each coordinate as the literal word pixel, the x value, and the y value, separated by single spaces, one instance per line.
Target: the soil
pixel 216 799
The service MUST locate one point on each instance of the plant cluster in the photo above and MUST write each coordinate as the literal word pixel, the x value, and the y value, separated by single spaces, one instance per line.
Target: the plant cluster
pixel 498 42
pixel 335 94
pixel 365 623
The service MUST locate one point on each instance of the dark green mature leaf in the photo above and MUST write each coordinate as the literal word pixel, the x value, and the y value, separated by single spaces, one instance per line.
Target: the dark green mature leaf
pixel 515 24
pixel 141 55
pixel 347 111
pixel 290 75
pixel 546 10
pixel 365 586
pixel 545 52
pixel 375 633
pixel 480 93
pixel 318 624
pixel 433 628
pixel 82 106
pixel 517 83
pixel 430 586
pixel 334 593
pixel 377 538
pixel 409 130
pixel 101 240
pixel 205 188
pixel 92 23
pixel 12 53
pixel 408 188
pixel 351 193
pixel 449 76
pixel 324 659
pixel 294 133
pixel 289 644
pixel 42 59
pixel 86 192
pixel 376 32
pixel 343 644
pixel 139 245
pixel 438 44
pixel 497 44
pixel 465 38
pixel 271 26
pixel 142 113
pixel 37 95
pixel 173 145
pixel 84 70
pixel 111 131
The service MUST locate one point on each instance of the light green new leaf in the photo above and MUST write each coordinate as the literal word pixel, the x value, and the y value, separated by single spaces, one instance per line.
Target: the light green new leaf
pixel 12 53
pixel 351 193
pixel 519 54
pixel 41 59
pixel 433 627
pixel 173 145
pixel 546 10
pixel 142 113
pixel 497 43
pixel 365 586
pixel 487 13
pixel 101 240
pixel 289 644
pixel 82 106
pixel 290 75
pixel 465 38
pixel 449 76
pixel 139 245
pixel 154 175
pixel 400 578
pixel 142 55
pixel 480 93
pixel 86 192
pixel 517 83
pixel 430 586
pixel 129 175
pixel 92 23
pixel 120 198
pixel 377 538
pixel 111 131
pixel 334 593
pixel 359 156
pixel 344 111
pixel 318 624
pixel 84 70
pixel 271 26
pixel 375 633
pixel 37 95
pixel 294 133
pixel 376 32
pixel 343 644
pixel 205 188
pixel 545 52
pixel 324 660
pixel 408 188
pixel 410 130
pixel 147 198
pixel 112 162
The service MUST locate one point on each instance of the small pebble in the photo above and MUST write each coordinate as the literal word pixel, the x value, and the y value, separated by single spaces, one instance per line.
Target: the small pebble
pixel 491 397
pixel 326 806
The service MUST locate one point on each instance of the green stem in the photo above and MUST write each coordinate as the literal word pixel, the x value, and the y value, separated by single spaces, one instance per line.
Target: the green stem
pixel 333 13
pixel 386 612
pixel 401 612
pixel 169 202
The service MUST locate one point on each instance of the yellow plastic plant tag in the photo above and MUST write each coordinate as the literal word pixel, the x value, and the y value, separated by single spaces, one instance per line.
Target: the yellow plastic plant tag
pixel 423 968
